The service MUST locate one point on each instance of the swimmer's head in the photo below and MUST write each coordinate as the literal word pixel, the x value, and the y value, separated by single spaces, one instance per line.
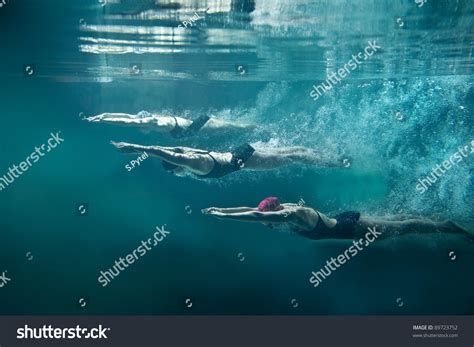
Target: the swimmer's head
pixel 270 204
pixel 173 169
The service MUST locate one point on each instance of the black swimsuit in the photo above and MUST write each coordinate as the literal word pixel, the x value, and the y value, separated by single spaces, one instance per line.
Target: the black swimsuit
pixel 239 156
pixel 344 228
pixel 179 132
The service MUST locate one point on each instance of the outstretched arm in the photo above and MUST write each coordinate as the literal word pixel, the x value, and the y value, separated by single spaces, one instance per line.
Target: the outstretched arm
pixel 122 119
pixel 111 116
pixel 228 210
pixel 164 153
pixel 254 216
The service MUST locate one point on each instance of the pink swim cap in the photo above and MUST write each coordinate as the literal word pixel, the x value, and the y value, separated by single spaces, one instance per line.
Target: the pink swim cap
pixel 269 204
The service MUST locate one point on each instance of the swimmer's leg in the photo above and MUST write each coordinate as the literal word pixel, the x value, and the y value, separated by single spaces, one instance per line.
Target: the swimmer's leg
pixel 214 124
pixel 265 160
pixel 282 150
pixel 416 225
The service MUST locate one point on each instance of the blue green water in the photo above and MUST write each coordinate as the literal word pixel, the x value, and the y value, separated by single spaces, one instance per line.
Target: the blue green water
pixel 81 53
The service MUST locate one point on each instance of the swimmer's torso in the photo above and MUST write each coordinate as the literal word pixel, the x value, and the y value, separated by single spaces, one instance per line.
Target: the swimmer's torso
pixel 168 123
pixel 207 160
pixel 307 218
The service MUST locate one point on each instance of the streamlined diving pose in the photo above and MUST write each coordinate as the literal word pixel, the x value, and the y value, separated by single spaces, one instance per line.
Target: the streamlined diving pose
pixel 209 164
pixel 177 127
pixel 315 225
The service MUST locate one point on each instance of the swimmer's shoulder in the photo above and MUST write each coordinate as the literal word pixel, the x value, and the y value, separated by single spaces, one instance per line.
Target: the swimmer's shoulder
pixel 301 211
pixel 222 157
pixel 303 217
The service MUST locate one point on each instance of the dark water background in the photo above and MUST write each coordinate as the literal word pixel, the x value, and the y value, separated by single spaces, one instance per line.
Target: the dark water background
pixel 81 53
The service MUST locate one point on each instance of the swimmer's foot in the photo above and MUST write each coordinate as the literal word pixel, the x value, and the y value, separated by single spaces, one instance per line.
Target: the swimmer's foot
pixel 328 160
pixel 247 126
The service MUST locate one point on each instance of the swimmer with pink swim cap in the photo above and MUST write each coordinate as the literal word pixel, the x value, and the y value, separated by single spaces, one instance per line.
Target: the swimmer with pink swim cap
pixel 269 204
pixel 312 224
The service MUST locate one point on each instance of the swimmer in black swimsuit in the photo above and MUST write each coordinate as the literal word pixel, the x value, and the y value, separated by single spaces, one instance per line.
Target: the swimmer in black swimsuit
pixel 315 225
pixel 177 127
pixel 209 164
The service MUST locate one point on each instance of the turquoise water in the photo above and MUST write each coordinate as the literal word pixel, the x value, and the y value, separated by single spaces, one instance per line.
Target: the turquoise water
pixel 81 54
